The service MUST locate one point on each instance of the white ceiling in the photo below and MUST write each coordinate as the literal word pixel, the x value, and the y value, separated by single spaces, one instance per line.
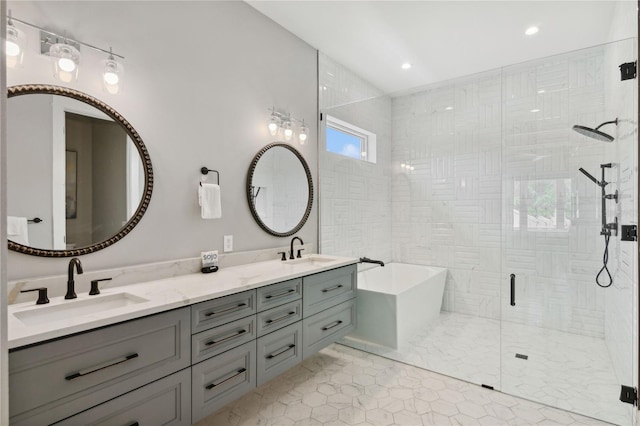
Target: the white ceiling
pixel 442 39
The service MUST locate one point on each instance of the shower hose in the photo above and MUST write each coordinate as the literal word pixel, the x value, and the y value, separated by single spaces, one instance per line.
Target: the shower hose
pixel 605 259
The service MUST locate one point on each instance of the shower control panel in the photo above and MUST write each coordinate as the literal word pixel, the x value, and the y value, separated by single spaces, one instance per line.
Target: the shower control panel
pixel 629 233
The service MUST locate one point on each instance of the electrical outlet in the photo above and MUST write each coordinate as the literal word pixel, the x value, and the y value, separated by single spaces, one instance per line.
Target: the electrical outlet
pixel 228 243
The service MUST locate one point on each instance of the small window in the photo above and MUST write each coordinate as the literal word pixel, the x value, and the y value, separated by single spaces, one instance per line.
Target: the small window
pixel 542 204
pixel 351 141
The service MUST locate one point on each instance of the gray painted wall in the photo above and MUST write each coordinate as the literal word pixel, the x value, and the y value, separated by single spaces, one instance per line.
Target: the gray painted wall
pixel 205 106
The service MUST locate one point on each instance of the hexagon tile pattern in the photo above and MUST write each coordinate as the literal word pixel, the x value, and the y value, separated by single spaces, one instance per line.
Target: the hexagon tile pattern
pixel 341 386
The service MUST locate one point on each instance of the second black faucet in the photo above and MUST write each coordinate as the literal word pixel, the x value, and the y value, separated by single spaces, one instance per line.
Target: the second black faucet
pixel 71 291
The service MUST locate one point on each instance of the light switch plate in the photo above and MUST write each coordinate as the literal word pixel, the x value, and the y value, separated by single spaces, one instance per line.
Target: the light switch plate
pixel 228 243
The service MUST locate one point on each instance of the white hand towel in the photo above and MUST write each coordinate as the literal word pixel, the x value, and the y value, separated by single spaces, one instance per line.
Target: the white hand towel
pixel 17 230
pixel 210 203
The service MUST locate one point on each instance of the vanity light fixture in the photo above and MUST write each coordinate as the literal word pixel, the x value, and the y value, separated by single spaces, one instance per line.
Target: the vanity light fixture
pixel 112 74
pixel 64 53
pixel 303 133
pixel 286 124
pixel 287 129
pixel 65 60
pixel 14 44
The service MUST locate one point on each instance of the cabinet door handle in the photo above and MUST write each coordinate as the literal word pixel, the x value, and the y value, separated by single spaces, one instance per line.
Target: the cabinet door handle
pixel 213 385
pixel 224 339
pixel 108 364
pixel 281 351
pixel 284 317
pixel 276 296
pixel 513 289
pixel 326 290
pixel 329 327
pixel 224 311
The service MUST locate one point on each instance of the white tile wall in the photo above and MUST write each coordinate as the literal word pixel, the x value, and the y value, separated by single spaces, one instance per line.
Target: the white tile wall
pixel 355 196
pixel 447 211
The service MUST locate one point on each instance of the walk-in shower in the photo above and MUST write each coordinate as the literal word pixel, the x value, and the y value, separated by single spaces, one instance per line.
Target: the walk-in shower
pixel 486 176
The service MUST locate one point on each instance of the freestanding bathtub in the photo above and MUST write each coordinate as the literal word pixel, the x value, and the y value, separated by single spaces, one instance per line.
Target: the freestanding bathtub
pixel 396 300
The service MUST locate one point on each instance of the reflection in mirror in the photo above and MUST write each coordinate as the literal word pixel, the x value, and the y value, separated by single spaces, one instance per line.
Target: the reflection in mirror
pixel 279 189
pixel 76 164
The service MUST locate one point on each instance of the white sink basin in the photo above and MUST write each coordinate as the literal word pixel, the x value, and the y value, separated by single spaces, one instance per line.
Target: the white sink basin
pixel 313 259
pixel 77 308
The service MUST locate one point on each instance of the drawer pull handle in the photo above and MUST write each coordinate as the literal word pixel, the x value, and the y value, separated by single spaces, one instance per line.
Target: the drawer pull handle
pixel 326 290
pixel 284 317
pixel 224 311
pixel 281 351
pixel 276 296
pixel 101 366
pixel 213 385
pixel 224 339
pixel 329 327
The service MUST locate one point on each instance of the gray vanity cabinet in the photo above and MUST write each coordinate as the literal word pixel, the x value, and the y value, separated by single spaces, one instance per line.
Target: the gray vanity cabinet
pixel 177 367
pixel 54 380
pixel 329 307
pixel 278 351
pixel 164 402
pixel 222 379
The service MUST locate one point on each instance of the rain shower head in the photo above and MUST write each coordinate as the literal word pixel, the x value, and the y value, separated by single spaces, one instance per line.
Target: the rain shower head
pixel 595 133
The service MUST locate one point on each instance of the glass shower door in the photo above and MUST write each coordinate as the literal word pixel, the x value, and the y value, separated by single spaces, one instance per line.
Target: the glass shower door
pixel 567 341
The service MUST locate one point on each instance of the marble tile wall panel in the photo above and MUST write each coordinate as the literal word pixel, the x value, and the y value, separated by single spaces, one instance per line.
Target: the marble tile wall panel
pixel 355 196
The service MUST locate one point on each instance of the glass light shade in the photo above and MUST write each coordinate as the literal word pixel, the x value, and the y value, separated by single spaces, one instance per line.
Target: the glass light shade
pixel 302 135
pixel 274 125
pixel 112 75
pixel 288 131
pixel 13 46
pixel 66 59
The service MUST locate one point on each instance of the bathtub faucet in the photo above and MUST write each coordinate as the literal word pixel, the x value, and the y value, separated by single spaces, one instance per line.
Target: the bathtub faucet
pixel 367 260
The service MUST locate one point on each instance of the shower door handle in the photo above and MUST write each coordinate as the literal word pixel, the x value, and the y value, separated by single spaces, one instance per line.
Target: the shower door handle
pixel 513 289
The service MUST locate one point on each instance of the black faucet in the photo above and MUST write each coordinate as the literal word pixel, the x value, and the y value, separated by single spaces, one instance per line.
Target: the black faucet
pixel 71 293
pixel 291 252
pixel 367 260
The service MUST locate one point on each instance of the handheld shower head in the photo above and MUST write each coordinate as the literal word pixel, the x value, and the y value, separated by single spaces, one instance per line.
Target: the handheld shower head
pixel 595 133
pixel 587 174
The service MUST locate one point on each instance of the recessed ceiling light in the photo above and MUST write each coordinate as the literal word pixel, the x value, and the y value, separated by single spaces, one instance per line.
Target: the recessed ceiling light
pixel 449 108
pixel 406 66
pixel 535 110
pixel 541 91
pixel 532 30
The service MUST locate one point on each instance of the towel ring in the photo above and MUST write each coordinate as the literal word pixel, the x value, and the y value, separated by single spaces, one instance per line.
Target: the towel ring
pixel 205 171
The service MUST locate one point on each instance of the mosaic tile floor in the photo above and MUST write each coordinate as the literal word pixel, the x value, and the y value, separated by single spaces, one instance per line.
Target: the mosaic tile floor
pixel 341 386
pixel 564 370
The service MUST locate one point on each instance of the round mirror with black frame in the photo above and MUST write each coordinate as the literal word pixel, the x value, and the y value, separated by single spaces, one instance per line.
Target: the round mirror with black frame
pixel 279 189
pixel 78 173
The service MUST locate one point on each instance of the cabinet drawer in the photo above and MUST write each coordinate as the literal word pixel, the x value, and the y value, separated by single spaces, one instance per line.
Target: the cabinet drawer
pixel 279 351
pixel 221 379
pixel 220 339
pixel 55 380
pixel 326 289
pixel 279 294
pixel 220 311
pixel 276 318
pixel 164 402
pixel 328 326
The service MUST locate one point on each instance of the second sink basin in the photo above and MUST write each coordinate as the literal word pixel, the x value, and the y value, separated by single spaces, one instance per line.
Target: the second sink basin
pixel 314 259
pixel 77 308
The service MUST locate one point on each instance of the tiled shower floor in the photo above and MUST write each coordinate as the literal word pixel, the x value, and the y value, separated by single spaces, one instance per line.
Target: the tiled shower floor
pixel 341 386
pixel 563 370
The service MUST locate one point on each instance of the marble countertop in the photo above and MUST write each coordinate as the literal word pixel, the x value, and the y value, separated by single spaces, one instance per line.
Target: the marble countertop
pixel 161 295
